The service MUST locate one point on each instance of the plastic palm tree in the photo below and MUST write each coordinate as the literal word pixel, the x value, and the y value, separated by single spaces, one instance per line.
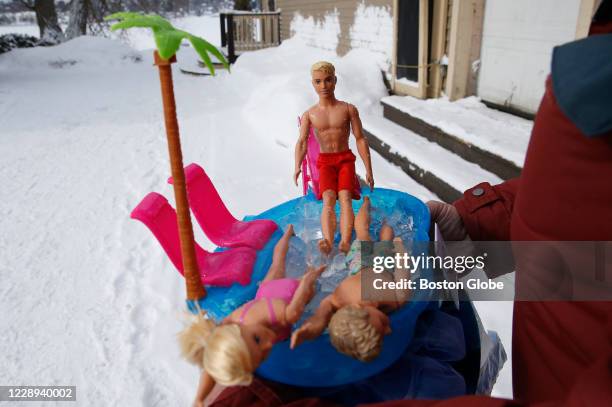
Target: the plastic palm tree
pixel 168 40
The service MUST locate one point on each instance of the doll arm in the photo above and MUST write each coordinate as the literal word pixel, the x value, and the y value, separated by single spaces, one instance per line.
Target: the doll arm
pixel 207 383
pixel 362 144
pixel 301 146
pixel 316 324
pixel 401 296
pixel 303 295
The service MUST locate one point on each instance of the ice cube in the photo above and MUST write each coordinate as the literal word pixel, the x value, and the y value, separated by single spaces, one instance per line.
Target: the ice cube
pixel 314 257
pixel 337 264
pixel 295 263
pixel 334 274
pixel 311 210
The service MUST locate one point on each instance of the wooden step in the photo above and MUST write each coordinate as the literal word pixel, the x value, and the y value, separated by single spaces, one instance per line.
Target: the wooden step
pixel 437 169
pixel 495 163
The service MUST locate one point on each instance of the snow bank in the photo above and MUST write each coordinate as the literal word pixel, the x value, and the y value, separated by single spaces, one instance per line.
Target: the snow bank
pixel 205 26
pixel 373 30
pixel 323 33
pixel 82 52
pixel 278 84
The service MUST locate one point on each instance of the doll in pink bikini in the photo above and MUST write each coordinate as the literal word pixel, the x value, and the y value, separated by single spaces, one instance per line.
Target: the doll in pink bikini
pixel 229 353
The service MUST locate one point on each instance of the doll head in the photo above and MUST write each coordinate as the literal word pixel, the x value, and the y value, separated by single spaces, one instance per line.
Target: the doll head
pixel 323 78
pixel 358 331
pixel 228 352
pixel 227 358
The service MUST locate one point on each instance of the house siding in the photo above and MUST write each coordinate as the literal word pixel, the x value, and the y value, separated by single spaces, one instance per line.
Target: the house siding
pixel 340 26
pixel 517 42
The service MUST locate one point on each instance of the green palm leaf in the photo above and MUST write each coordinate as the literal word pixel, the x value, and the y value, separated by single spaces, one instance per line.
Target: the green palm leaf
pixel 203 47
pixel 168 42
pixel 167 38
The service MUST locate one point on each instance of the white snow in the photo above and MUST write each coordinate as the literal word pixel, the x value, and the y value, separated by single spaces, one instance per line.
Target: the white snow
pixel 408 82
pixel 323 34
pixel 469 119
pixel 88 298
pixel 372 29
pixel 27 29
pixel 206 26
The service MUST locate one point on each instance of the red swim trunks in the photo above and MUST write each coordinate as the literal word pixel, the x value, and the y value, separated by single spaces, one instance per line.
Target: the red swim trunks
pixel 336 171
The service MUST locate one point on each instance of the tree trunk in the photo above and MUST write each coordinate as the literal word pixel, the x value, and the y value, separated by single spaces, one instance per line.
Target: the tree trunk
pixel 79 12
pixel 46 17
pixel 242 5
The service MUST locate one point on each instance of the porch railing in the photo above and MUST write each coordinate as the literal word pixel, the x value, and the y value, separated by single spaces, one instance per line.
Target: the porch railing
pixel 246 31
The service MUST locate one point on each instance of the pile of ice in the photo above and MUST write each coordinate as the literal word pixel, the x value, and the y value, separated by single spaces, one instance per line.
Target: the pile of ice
pixel 304 250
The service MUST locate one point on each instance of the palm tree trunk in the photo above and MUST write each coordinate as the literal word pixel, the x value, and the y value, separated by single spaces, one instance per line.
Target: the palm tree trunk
pixel 195 289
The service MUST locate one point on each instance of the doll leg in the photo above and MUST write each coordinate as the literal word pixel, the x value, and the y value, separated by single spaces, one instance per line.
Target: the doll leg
pixel 277 269
pixel 386 233
pixel 362 220
pixel 347 218
pixel 328 221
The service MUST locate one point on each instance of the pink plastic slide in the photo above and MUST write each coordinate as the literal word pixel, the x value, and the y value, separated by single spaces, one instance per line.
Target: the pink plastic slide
pixel 310 172
pixel 216 269
pixel 216 221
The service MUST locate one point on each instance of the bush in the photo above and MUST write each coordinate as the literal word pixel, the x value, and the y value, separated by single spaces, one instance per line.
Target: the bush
pixel 10 41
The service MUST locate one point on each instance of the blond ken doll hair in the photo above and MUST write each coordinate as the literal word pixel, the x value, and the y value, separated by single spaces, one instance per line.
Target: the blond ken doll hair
pixel 351 333
pixel 323 66
pixel 220 350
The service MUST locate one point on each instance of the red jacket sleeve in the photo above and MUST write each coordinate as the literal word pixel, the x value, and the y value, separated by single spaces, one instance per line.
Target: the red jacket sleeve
pixel 486 210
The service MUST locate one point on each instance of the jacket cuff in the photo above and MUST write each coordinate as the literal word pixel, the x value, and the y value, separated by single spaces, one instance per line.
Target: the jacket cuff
pixel 486 212
pixel 481 210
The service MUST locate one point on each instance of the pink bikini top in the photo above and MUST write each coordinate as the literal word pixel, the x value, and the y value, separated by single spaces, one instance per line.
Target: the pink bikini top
pixel 282 332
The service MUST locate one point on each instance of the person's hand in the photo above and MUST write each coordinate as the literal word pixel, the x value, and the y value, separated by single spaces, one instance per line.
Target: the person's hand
pixel 296 175
pixel 448 220
pixel 198 403
pixel 370 180
pixel 452 228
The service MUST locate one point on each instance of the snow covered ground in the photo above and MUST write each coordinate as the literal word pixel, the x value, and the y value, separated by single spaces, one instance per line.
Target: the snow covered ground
pixel 87 296
pixel 27 29
pixel 206 26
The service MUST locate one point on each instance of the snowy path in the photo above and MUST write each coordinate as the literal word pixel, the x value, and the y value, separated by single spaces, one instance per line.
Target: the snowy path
pixel 87 296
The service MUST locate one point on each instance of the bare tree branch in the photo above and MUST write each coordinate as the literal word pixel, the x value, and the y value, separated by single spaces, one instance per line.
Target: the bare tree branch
pixel 27 4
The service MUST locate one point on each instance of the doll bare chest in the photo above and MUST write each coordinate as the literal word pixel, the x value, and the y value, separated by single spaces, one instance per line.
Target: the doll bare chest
pixel 330 119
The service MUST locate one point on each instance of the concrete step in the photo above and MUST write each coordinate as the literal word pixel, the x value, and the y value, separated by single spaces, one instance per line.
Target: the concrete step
pixel 444 173
pixel 505 163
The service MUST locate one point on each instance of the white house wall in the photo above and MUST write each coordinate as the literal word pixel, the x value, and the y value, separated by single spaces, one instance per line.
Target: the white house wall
pixel 517 42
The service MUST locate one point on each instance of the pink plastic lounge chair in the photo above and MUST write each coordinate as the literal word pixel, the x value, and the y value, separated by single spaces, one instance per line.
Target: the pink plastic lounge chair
pixel 310 172
pixel 216 269
pixel 216 221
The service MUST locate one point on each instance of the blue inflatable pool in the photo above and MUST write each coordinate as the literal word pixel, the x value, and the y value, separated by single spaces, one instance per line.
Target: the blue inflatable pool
pixel 317 363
